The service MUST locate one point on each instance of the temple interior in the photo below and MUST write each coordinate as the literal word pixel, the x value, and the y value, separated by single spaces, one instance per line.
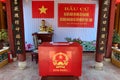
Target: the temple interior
pixel 59 39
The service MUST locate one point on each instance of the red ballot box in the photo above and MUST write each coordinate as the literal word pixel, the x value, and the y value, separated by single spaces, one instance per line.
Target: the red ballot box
pixel 60 59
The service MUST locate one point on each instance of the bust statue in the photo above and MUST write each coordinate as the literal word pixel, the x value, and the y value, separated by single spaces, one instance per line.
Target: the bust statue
pixel 43 27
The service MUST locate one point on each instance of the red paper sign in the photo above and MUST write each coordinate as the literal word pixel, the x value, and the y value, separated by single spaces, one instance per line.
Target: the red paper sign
pixel 42 9
pixel 60 61
pixel 76 15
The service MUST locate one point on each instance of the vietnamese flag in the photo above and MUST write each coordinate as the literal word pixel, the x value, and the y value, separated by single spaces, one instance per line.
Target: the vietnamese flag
pixel 43 9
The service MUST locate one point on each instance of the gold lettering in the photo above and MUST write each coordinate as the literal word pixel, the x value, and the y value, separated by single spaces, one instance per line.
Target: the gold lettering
pixel 16 8
pixel 70 8
pixel 77 14
pixel 17 22
pixel 106 2
pixel 84 8
pixel 83 14
pixel 73 19
pixel 18 48
pixel 18 36
pixel 15 2
pixel 55 70
pixel 64 14
pixel 103 29
pixel 101 48
pixel 63 70
pixel 104 16
pixel 67 19
pixel 102 42
pixel 102 35
pixel 104 22
pixel 71 14
pixel 87 14
pixel 18 42
pixel 62 19
pixel 105 9
pixel 77 19
pixel 81 19
pixel 17 29
pixel 90 20
pixel 86 20
pixel 16 15
pixel 65 8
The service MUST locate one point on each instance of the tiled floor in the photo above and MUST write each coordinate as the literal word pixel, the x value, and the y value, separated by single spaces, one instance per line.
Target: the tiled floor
pixel 12 72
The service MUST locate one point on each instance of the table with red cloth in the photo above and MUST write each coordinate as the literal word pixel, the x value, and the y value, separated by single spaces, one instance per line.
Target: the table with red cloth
pixel 60 59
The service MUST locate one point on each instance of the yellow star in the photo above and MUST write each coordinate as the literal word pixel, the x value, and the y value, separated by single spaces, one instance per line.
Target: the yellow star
pixel 43 10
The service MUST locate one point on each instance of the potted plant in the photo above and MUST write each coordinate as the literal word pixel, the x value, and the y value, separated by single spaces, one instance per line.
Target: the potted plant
pixel 116 39
pixel 3 37
pixel 73 40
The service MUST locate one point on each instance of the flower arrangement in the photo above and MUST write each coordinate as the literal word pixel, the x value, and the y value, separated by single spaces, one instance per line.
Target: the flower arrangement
pixel 3 38
pixel 28 47
pixel 3 35
pixel 87 45
pixel 50 29
pixel 116 37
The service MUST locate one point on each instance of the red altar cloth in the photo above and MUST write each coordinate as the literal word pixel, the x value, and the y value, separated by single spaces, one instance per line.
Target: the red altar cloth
pixel 60 59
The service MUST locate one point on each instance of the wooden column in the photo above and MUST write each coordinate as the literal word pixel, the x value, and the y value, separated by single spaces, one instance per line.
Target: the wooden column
pixel 102 31
pixel 10 31
pixel 99 57
pixel 16 30
pixel 110 32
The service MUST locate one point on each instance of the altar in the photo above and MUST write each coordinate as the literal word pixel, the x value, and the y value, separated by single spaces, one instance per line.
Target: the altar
pixel 39 37
pixel 60 59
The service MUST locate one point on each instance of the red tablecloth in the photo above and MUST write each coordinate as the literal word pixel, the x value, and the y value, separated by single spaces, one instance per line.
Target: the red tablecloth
pixel 60 59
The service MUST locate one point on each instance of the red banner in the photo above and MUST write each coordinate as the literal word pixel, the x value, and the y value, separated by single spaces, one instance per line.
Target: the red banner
pixel 76 15
pixel 41 9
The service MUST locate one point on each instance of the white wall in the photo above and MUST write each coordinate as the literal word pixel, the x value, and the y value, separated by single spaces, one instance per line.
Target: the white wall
pixel 32 24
